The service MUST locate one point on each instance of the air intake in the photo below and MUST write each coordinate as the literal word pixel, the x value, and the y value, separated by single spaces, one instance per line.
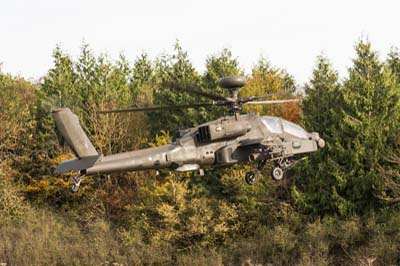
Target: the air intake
pixel 204 134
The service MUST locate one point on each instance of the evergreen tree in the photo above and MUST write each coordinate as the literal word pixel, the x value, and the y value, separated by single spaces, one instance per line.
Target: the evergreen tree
pixel 58 90
pixel 322 97
pixel 318 178
pixel 173 72
pixel 394 63
pixel 370 125
pixel 219 65
pixel 59 85
pixel 360 133
pixel 143 79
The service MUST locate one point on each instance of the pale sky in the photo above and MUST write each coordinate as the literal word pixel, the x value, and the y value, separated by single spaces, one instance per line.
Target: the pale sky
pixel 289 33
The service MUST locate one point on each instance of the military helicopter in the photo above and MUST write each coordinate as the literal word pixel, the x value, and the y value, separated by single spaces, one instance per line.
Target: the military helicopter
pixel 229 140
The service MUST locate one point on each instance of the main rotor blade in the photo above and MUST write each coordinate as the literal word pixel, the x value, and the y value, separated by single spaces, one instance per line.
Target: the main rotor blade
pixel 194 90
pixel 251 98
pixel 274 101
pixel 155 108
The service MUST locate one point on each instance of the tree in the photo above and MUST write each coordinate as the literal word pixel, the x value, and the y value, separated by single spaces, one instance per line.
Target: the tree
pixel 317 179
pixel 322 98
pixel 360 131
pixel 222 64
pixel 172 72
pixel 266 79
pixel 143 80
pixel 394 63
pixel 370 125
pixel 17 98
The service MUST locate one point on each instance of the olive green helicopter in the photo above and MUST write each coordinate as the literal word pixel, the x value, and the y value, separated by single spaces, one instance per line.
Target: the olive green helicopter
pixel 234 139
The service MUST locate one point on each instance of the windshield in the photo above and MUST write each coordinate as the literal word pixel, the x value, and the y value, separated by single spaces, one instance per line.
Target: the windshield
pixel 273 124
pixel 294 129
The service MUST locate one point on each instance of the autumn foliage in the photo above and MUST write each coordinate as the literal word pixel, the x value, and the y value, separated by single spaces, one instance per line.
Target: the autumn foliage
pixel 336 207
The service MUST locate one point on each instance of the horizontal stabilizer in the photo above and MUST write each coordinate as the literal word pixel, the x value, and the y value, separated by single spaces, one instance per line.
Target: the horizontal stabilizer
pixel 76 164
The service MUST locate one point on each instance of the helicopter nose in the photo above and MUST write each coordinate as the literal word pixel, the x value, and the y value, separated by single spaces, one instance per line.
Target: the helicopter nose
pixel 320 141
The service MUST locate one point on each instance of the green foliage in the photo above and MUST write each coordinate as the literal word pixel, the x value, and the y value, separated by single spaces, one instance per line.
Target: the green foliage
pixel 371 118
pixel 350 188
pixel 223 64
pixel 12 207
pixel 174 71
pixel 322 100
pixel 394 62
pixel 17 98
pixel 360 122
pixel 317 179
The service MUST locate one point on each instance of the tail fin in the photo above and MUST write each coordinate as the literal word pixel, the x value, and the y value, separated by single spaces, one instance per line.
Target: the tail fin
pixel 69 127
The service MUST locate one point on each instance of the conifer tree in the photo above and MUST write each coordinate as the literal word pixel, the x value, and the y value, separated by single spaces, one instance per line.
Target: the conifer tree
pixel 175 71
pixel 142 76
pixel 370 125
pixel 318 178
pixel 394 62
pixel 360 133
pixel 219 65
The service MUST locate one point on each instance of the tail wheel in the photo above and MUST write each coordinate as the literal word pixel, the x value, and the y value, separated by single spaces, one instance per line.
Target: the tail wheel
pixel 277 173
pixel 76 182
pixel 251 178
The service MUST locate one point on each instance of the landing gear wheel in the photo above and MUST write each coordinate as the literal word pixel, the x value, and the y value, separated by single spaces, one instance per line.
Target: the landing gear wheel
pixel 250 178
pixel 277 173
pixel 76 182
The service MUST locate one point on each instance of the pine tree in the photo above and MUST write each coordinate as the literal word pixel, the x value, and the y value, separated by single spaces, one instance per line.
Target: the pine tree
pixel 317 179
pixel 217 66
pixel 370 125
pixel 173 72
pixel 322 95
pixel 394 62
pixel 360 125
pixel 143 79
pixel 222 64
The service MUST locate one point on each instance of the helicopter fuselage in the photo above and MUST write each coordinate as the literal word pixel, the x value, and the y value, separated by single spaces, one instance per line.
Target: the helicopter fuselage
pixel 226 141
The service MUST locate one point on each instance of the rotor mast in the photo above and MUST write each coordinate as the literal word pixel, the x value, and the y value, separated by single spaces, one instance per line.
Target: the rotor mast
pixel 233 84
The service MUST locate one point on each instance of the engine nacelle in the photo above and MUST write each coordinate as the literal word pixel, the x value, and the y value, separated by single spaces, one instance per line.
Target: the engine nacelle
pixel 222 130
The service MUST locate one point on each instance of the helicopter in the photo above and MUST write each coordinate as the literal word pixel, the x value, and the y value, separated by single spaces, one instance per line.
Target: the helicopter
pixel 229 140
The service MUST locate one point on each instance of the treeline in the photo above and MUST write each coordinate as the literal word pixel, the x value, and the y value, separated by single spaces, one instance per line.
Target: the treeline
pixel 337 207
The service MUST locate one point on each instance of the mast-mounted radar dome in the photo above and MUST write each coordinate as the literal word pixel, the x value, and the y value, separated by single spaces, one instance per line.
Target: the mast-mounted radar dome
pixel 232 82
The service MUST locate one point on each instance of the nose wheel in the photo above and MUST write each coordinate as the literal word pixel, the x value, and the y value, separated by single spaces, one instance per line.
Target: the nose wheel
pixel 250 177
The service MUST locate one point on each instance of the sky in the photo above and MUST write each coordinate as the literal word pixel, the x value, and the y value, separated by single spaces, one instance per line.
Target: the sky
pixel 288 33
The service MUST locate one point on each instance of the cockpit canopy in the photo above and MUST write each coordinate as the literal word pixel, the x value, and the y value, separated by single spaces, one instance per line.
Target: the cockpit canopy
pixel 278 125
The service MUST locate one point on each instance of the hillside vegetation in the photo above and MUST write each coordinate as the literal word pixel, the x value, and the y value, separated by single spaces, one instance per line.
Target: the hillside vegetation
pixel 337 207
